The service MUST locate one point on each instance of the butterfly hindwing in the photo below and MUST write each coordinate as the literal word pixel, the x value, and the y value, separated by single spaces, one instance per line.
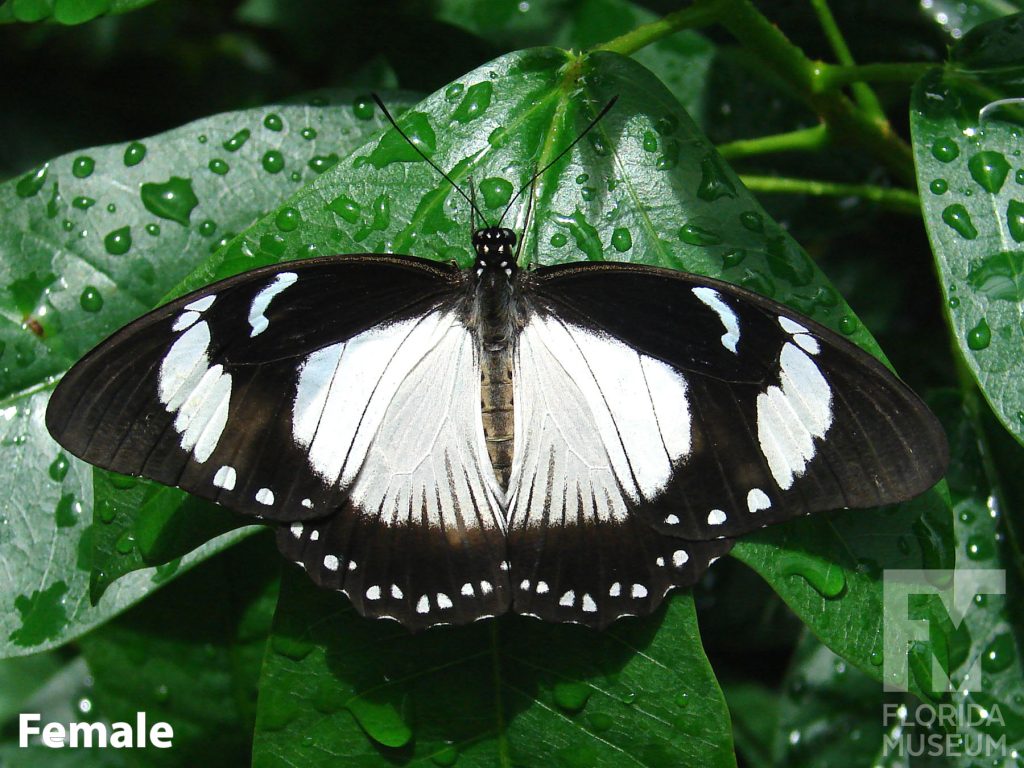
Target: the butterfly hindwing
pixel 772 415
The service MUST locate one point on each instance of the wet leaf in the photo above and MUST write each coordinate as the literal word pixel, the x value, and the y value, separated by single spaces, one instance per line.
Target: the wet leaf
pixel 65 11
pixel 83 250
pixel 967 122
pixel 957 17
pixel 512 691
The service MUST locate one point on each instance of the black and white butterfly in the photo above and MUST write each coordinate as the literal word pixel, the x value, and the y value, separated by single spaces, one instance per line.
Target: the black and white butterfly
pixel 568 442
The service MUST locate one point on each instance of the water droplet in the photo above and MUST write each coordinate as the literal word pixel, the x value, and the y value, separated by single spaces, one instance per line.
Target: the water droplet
pixel 446 756
pixel 363 107
pixel 999 654
pixel 207 228
pixel 91 299
pixel 82 167
pixel 273 244
pixel 558 240
pixel 218 166
pixel 161 693
pixel 111 208
pixel 945 150
pixel 236 142
pixel 752 220
pixel 650 142
pixel 83 203
pixel 153 229
pixel 848 324
pixel 125 543
pixel 381 721
pixel 876 658
pixel 954 302
pixel 308 133
pixel 106 511
pixel 598 144
pixel 980 547
pixel 134 153
pixel 989 169
pixel 474 103
pixel 496 192
pixel 381 212
pixel 273 161
pixel 826 578
pixel 173 199
pixel 273 122
pixel 67 512
pixel 583 232
pixel 293 648
pixel 666 125
pixel 999 276
pixel 957 217
pixel 622 240
pixel 321 163
pixel 118 242
pixel 600 721
pixel 714 180
pixel 30 184
pixel 682 700
pixel 122 482
pixel 695 235
pixel 583 178
pixel 588 193
pixel 939 186
pixel 1015 219
pixel 59 468
pixel 288 219
pixel 572 696
pixel 43 615
pixel 345 207
pixel 392 148
pixel 454 91
pixel 980 336
pixel 669 155
pixel 1019 176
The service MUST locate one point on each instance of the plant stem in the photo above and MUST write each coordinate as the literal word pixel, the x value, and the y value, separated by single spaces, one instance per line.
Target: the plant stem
pixel 700 14
pixel 862 92
pixel 802 140
pixel 759 35
pixel 890 198
pixel 832 77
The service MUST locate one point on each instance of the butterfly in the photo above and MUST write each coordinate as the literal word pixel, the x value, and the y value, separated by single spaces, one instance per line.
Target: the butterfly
pixel 568 442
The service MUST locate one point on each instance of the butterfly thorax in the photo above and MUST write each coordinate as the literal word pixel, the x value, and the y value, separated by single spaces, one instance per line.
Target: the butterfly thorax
pixel 495 275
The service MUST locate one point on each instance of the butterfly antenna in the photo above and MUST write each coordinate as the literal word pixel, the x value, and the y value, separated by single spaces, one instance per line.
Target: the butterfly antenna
pixel 526 220
pixel 430 162
pixel 559 156
pixel 472 204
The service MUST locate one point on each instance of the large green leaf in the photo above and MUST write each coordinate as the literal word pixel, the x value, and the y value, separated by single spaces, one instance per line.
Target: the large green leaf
pixel 88 242
pixel 512 691
pixel 958 17
pixel 65 11
pixel 967 142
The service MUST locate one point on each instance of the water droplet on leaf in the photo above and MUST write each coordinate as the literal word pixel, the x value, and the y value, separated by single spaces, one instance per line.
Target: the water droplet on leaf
pixel 938 186
pixel 91 299
pixel 496 192
pixel 622 240
pixel 321 163
pixel 30 184
pixel 380 721
pixel 475 102
pixel 83 203
pixel 288 219
pixel 695 235
pixel 172 199
pixel 346 208
pixel 273 122
pixel 273 161
pixel 82 167
pixel 945 150
pixel 957 217
pixel 118 242
pixel 989 169
pixel 59 468
pixel 980 336
pixel 362 107
pixel 134 153
pixel 236 142
pixel 572 696
pixel 999 654
pixel 218 166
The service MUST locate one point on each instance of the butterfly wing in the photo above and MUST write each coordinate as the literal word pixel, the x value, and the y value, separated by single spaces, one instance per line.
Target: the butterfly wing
pixel 338 396
pixel 684 412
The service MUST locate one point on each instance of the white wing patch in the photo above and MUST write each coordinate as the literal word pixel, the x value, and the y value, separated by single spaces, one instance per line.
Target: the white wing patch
pixel 790 417
pixel 393 416
pixel 714 301
pixel 199 395
pixel 581 446
pixel 257 320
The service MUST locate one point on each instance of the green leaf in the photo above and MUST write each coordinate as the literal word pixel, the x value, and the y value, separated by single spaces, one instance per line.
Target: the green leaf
pixel 88 242
pixel 512 691
pixel 966 131
pixel 958 17
pixel 754 712
pixel 66 11
pixel 200 675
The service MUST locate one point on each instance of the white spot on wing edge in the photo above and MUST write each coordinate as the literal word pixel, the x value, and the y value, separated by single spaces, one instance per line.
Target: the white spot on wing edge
pixel 567 599
pixel 396 592
pixel 296 529
pixel 467 590
pixel 257 321
pixel 443 601
pixel 330 562
pixel 201 305
pixel 716 517
pixel 807 343
pixel 791 326
pixel 679 558
pixel 713 300
pixel 265 496
pixel 589 606
pixel 758 500
pixel 225 478
pixel 423 604
pixel 638 591
pixel 185 320
pixel 373 593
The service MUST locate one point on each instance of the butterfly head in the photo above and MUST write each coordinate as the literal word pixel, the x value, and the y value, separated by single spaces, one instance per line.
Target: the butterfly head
pixel 495 249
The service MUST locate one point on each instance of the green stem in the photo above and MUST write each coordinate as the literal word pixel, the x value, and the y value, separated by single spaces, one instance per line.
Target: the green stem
pixel 862 92
pixel 802 140
pixel 830 77
pixel 890 198
pixel 755 32
pixel 700 14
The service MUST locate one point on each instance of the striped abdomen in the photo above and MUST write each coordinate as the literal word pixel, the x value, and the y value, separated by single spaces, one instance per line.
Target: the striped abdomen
pixel 496 401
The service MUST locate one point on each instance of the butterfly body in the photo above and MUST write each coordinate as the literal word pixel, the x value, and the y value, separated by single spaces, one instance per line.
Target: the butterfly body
pixel 442 445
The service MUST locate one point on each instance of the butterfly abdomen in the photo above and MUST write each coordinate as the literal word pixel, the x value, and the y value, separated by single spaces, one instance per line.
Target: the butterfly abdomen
pixel 497 406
